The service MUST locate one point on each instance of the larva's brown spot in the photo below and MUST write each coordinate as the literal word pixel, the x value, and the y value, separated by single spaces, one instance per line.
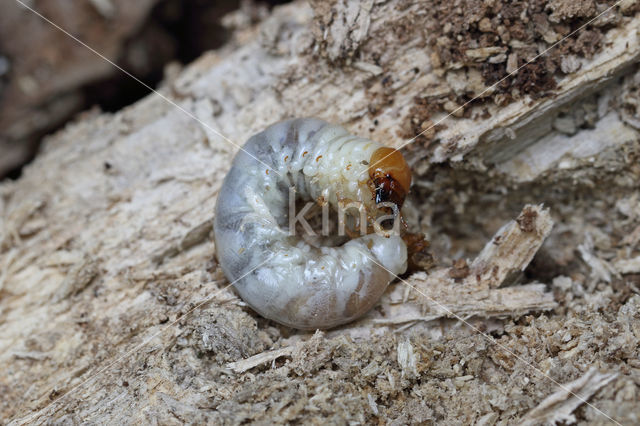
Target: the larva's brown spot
pixel 267 171
pixel 390 174
pixel 286 157
pixel 318 158
pixel 305 153
pixel 349 166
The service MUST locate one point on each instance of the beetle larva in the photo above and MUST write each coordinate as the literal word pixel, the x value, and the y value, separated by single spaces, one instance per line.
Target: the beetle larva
pixel 306 285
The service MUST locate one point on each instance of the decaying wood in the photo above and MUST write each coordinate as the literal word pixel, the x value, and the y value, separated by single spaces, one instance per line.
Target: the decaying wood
pixel 261 358
pixel 466 291
pixel 105 239
pixel 45 69
pixel 427 297
pixel 558 407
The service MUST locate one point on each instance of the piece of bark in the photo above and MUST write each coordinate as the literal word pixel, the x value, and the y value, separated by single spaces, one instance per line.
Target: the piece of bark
pixel 526 126
pixel 261 358
pixel 512 248
pixel 474 292
pixel 628 266
pixel 559 406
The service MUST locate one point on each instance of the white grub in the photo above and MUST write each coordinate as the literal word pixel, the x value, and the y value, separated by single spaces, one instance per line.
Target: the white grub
pixel 295 283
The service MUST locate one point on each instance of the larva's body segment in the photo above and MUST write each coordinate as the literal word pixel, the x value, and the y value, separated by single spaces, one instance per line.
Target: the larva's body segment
pixel 302 286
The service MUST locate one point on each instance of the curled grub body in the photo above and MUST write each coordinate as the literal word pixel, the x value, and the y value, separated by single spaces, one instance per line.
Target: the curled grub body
pixel 306 285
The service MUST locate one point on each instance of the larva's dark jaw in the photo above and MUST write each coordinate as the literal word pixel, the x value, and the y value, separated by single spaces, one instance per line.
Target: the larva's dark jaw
pixel 390 175
pixel 388 190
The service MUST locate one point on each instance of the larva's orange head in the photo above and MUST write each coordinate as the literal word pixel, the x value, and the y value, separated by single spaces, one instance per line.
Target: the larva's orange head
pixel 390 174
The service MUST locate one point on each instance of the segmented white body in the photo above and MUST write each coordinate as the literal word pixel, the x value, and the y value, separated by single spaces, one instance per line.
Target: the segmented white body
pixel 301 286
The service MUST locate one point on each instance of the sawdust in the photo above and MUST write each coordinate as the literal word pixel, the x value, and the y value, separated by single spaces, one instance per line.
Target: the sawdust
pixel 474 44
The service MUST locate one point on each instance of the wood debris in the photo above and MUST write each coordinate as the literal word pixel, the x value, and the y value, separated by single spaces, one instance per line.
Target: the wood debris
pixel 261 358
pixel 559 406
pixel 441 293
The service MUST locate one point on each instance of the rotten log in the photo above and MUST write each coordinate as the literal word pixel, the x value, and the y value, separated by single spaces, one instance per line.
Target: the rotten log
pixel 105 247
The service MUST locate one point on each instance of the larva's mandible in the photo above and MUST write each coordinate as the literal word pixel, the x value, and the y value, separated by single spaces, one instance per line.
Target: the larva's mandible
pixel 307 285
